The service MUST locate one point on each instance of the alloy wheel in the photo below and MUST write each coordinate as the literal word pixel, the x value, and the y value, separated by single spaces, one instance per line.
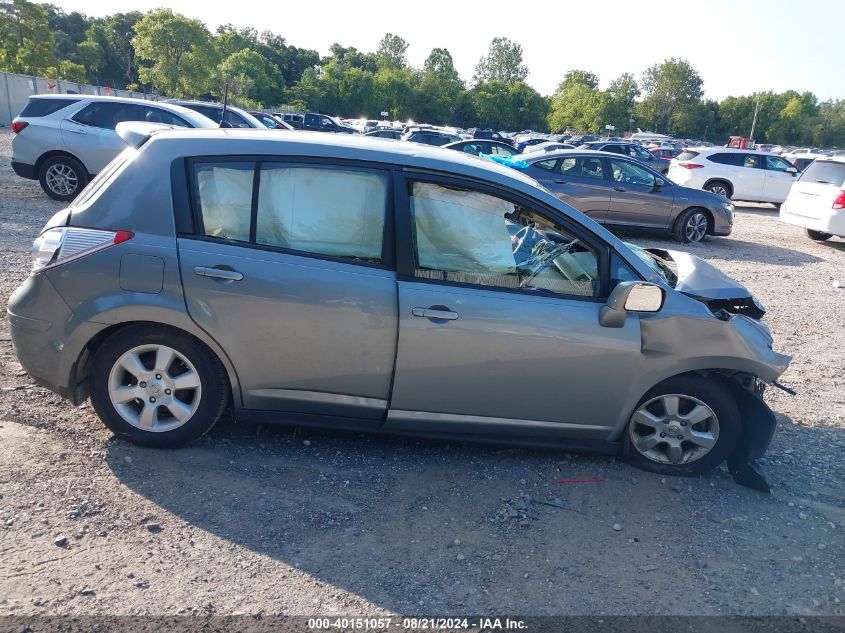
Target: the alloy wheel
pixel 696 227
pixel 154 388
pixel 62 179
pixel 674 429
pixel 720 190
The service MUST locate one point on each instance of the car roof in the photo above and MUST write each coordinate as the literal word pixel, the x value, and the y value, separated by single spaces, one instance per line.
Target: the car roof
pixel 166 105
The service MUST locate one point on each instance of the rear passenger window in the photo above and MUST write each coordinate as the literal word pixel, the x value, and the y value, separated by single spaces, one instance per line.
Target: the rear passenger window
pixel 102 114
pixel 313 209
pixel 323 211
pixel 224 195
pixel 737 160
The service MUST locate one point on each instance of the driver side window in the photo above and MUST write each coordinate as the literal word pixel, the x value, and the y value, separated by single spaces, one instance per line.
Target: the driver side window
pixel 467 236
pixel 627 172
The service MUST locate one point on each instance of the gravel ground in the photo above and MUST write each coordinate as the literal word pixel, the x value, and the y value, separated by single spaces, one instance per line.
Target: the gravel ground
pixel 275 520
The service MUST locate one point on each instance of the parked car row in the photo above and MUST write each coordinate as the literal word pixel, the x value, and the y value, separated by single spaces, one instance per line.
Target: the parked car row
pixel 379 286
pixel 65 140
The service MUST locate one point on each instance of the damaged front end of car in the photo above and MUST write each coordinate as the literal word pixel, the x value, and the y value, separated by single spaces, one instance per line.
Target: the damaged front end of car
pixel 736 340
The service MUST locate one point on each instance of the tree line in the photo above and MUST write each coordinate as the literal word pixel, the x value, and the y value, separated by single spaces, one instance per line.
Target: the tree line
pixel 165 52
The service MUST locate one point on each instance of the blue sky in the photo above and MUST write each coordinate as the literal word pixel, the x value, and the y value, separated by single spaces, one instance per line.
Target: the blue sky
pixel 738 47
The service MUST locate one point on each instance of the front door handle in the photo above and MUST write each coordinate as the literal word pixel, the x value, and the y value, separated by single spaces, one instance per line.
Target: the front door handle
pixel 77 131
pixel 560 182
pixel 218 273
pixel 435 312
pixel 619 188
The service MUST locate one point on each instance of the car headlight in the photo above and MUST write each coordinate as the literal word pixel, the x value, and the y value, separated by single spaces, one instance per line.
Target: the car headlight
pixel 728 206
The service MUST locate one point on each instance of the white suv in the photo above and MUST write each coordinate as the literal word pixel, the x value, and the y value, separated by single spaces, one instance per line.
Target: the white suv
pixel 735 173
pixel 817 200
pixel 65 140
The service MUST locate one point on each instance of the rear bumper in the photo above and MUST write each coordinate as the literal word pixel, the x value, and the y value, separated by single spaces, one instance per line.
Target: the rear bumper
pixel 25 170
pixel 832 221
pixel 46 336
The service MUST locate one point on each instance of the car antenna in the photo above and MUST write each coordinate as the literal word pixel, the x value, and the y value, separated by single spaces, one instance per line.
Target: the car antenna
pixel 223 121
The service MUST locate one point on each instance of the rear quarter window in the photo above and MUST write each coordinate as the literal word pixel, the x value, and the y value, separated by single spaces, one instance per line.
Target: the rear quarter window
pixel 825 172
pixel 44 107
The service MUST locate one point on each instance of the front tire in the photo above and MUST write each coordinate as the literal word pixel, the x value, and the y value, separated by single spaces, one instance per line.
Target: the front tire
pixel 818 236
pixel 686 425
pixel 157 387
pixel 62 177
pixel 691 226
pixel 720 187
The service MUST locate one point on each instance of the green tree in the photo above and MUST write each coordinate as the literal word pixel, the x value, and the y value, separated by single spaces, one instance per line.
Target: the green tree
pixel 108 50
pixel 503 62
pixel 509 106
pixel 27 45
pixel 391 51
pixel 249 76
pixel 69 30
pixel 579 78
pixel 621 100
pixel 178 50
pixel 440 86
pixel 578 103
pixel 672 88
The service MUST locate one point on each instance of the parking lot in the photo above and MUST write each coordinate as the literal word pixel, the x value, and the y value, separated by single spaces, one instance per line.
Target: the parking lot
pixel 275 520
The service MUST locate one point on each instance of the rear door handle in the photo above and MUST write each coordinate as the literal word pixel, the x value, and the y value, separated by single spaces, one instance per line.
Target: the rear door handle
pixel 77 131
pixel 435 313
pixel 560 182
pixel 619 188
pixel 218 273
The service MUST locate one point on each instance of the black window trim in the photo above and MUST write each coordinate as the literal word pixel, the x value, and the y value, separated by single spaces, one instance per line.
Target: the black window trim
pixel 406 261
pixel 388 253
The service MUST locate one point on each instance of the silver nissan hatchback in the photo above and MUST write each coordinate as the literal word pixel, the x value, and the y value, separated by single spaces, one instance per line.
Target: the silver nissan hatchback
pixel 343 282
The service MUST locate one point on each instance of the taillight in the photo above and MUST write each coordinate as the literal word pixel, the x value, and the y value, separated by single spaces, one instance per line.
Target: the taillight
pixel 839 202
pixel 17 126
pixel 690 165
pixel 60 245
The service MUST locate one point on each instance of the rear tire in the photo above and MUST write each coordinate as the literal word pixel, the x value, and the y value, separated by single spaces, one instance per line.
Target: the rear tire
pixel 818 236
pixel 720 187
pixel 691 226
pixel 157 386
pixel 700 430
pixel 62 177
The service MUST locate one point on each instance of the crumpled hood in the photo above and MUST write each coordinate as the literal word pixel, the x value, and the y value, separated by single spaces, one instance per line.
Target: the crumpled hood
pixel 701 280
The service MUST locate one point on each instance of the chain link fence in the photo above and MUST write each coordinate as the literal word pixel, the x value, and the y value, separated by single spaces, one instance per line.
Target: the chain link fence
pixel 15 91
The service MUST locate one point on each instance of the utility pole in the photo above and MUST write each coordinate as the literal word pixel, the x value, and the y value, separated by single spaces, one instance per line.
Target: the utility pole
pixel 754 122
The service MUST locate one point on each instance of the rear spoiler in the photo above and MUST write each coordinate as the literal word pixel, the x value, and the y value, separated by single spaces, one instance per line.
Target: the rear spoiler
pixel 136 133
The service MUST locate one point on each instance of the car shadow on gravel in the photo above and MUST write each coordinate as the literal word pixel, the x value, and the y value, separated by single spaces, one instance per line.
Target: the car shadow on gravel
pixel 425 527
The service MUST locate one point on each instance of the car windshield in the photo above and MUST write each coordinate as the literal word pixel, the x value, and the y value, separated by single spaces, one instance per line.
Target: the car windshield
pixel 658 265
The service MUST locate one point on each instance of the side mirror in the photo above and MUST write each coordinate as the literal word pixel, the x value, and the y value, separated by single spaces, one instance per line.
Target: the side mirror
pixel 225 124
pixel 659 184
pixel 792 170
pixel 630 296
